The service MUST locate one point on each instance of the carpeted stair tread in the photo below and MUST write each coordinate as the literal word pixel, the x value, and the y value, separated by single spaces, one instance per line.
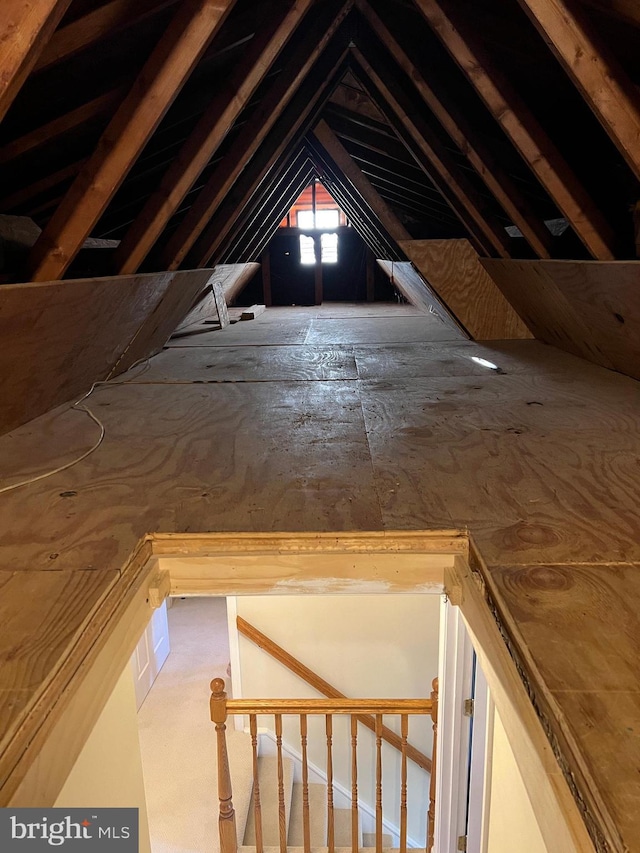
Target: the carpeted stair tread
pixel 342 827
pixel 268 780
pixel 317 816
pixel 369 840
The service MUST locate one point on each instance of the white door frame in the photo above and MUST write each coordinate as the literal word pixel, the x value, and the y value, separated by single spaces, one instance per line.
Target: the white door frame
pixel 462 766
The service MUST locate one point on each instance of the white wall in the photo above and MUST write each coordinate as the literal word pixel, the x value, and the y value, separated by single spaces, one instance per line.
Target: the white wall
pixel 108 771
pixel 512 822
pixel 367 646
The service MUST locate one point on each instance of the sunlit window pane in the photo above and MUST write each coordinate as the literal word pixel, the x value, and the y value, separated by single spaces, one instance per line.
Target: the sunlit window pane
pixel 305 219
pixel 327 219
pixel 329 245
pixel 307 254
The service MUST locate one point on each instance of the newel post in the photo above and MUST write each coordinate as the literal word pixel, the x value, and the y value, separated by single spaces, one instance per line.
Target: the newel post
pixel 431 818
pixel 227 817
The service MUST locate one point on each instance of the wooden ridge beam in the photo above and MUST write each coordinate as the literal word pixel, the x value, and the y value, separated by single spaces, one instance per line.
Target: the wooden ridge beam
pixel 452 119
pixel 25 28
pixel 522 128
pixel 293 124
pixel 343 160
pixel 263 118
pixel 61 125
pixel 204 140
pixel 440 165
pixel 158 84
pixel 93 26
pixel 594 70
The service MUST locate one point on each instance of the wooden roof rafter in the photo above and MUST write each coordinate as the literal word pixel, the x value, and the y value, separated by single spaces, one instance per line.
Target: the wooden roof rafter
pixel 285 137
pixel 594 70
pixel 453 120
pixel 266 215
pixel 488 235
pixel 25 29
pixel 372 217
pixel 521 127
pixel 209 132
pixel 159 82
pixel 195 237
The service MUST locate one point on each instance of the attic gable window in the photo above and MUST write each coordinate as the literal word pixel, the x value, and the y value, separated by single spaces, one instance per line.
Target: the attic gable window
pixel 322 220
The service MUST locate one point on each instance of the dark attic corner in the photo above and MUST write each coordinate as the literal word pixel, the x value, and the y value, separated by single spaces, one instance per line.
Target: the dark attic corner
pixel 429 213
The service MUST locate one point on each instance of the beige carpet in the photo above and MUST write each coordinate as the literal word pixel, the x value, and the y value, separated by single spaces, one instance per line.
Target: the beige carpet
pixel 177 738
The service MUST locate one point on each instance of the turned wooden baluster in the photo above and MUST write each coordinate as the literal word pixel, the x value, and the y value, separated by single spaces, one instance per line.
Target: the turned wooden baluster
pixel 306 825
pixel 354 785
pixel 282 817
pixel 227 817
pixel 257 807
pixel 431 820
pixel 404 731
pixel 331 841
pixel 378 783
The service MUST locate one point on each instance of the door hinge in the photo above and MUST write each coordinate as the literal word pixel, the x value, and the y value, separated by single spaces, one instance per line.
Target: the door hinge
pixel 468 707
pixel 462 843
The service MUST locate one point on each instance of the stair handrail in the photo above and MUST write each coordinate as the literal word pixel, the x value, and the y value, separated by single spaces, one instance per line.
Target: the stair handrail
pixel 221 707
pixel 318 683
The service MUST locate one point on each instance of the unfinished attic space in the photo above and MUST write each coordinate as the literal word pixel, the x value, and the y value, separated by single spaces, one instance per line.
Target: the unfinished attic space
pixel 327 298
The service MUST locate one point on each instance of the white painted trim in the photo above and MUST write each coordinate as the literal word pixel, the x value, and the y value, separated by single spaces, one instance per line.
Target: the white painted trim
pixel 342 792
pixel 481 764
pixel 234 656
pixel 455 678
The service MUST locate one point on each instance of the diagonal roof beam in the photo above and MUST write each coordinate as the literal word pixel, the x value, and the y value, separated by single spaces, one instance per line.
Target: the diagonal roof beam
pixel 307 52
pixel 25 28
pixel 343 160
pixel 158 84
pixel 361 215
pixel 594 70
pixel 267 215
pixel 206 137
pixel 453 120
pixel 269 161
pixel 522 128
pixel 440 165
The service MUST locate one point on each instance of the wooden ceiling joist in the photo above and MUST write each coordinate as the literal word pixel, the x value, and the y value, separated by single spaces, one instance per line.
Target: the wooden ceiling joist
pixel 452 119
pixel 271 107
pixel 441 166
pixel 595 71
pixel 522 128
pixel 206 137
pixel 161 79
pixel 25 28
pixel 90 28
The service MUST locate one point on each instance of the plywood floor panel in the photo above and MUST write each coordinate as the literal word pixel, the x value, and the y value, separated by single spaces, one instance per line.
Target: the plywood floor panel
pixel 255 456
pixel 539 462
pixel 539 482
pixel 251 364
pixel 379 331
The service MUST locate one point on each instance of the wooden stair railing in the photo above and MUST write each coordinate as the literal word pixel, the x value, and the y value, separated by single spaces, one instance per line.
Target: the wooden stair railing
pixel 298 668
pixel 221 707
